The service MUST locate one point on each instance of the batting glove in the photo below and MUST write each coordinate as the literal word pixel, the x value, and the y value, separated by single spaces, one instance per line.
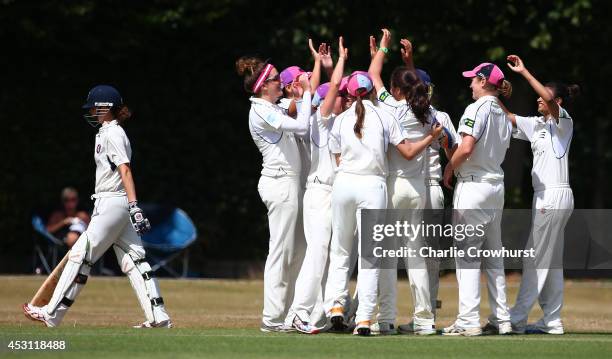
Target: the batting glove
pixel 139 220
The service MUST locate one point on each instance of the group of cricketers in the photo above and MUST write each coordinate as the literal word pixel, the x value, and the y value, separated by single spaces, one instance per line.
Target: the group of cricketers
pixel 333 149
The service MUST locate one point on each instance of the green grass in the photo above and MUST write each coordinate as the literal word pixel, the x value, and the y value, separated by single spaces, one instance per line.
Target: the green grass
pixel 250 343
pixel 220 319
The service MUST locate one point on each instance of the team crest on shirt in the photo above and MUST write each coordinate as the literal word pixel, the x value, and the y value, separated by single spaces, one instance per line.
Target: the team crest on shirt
pixel 98 148
pixel 383 96
pixel 469 122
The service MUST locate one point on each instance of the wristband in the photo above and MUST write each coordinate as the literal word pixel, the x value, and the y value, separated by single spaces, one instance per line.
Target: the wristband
pixel 384 49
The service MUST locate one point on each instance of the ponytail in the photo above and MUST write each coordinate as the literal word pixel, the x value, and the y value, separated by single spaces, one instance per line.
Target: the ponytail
pixel 414 90
pixel 505 89
pixel 250 68
pixel 420 102
pixel 567 93
pixel 121 113
pixel 360 112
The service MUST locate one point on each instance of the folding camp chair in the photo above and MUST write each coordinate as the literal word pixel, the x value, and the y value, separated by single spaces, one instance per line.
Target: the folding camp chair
pixel 172 231
pixel 48 256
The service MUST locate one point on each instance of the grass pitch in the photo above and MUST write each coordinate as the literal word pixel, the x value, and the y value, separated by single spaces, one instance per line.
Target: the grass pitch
pixel 220 319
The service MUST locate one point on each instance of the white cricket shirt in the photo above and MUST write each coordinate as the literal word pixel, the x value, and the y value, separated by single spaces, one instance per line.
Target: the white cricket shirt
pixel 414 130
pixel 322 162
pixel 366 155
pixel 485 121
pixel 112 149
pixel 279 149
pixel 550 144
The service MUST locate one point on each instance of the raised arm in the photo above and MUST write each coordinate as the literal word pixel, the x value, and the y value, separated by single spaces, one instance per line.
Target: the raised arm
pixel 336 78
pixel 326 60
pixel 315 78
pixel 406 52
pixel 377 61
pixel 516 64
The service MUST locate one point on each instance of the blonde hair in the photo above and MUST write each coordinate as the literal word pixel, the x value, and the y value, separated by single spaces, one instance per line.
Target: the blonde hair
pixel 505 89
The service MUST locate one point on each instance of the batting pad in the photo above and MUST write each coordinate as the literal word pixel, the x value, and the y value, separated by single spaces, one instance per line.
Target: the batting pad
pixel 145 286
pixel 73 278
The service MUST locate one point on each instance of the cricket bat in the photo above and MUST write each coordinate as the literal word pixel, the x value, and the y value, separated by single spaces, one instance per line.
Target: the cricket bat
pixel 44 293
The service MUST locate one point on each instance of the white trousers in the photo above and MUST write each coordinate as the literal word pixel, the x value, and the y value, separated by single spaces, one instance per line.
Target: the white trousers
pixel 281 195
pixel 110 225
pixel 479 199
pixel 434 200
pixel 350 194
pixel 308 299
pixel 543 276
pixel 410 194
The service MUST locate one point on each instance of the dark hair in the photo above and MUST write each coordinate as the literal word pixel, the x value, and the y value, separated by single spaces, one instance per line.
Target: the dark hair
pixel 567 93
pixel 121 113
pixel 414 90
pixel 250 68
pixel 360 112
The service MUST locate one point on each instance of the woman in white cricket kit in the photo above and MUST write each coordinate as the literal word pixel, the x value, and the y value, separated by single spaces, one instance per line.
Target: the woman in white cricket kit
pixel 115 207
pixel 279 185
pixel 359 139
pixel 479 199
pixel 306 314
pixel 408 103
pixel 550 136
pixel 434 197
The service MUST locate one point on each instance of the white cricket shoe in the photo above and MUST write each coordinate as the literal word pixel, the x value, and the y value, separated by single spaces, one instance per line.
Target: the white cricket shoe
pixel 383 328
pixel 37 314
pixel 424 330
pixel 540 328
pixel 410 328
pixel 455 330
pixel 304 327
pixel 363 329
pixel 162 324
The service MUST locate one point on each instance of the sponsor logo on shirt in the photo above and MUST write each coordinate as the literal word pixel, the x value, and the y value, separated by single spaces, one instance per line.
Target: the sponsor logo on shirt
pixel 383 96
pixel 98 148
pixel 469 122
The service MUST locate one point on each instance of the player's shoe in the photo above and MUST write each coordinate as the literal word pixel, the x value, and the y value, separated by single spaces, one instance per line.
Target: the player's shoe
pixel 424 330
pixel 538 328
pixel 304 327
pixel 410 329
pixel 37 314
pixel 337 320
pixel 455 330
pixel 162 324
pixel 363 329
pixel 276 329
pixel 502 329
pixel 383 328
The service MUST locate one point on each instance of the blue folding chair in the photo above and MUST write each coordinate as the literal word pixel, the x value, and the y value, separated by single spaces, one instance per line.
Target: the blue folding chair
pixel 47 258
pixel 172 231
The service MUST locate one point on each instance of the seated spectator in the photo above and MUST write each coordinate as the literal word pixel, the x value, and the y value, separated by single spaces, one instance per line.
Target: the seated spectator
pixel 68 222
